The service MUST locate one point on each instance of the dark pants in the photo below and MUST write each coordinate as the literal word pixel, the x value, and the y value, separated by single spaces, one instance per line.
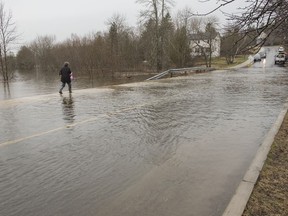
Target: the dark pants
pixel 63 85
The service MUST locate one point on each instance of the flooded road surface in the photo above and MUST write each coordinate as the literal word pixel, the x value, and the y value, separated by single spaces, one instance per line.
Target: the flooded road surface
pixel 170 147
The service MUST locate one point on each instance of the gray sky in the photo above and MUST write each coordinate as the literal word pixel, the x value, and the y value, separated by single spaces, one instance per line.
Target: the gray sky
pixel 63 17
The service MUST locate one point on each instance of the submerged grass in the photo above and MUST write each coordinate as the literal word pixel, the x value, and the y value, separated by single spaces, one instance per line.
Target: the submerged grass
pixel 270 194
pixel 221 63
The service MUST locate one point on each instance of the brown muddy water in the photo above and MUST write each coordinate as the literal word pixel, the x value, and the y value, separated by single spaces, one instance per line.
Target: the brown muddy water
pixel 169 147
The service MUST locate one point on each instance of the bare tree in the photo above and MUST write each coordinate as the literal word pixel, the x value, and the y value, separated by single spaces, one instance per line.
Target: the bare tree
pixel 42 48
pixel 155 13
pixel 235 42
pixel 25 58
pixel 180 50
pixel 116 30
pixel 211 34
pixel 71 50
pixel 8 35
pixel 260 16
pixel 183 18
pixel 205 37
pixel 229 47
pixel 121 42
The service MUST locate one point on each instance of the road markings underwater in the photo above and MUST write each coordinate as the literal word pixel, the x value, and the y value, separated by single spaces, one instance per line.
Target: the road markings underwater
pixel 108 114
pixel 55 129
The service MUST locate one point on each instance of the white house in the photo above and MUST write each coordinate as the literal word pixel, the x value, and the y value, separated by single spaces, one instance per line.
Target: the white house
pixel 204 42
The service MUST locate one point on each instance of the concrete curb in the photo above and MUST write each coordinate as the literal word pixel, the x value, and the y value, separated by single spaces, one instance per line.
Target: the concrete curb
pixel 239 200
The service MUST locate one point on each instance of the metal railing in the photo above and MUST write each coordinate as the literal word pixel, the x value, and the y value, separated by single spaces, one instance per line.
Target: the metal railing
pixel 179 70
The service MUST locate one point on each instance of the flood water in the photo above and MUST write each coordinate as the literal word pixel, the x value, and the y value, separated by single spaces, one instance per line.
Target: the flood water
pixel 169 147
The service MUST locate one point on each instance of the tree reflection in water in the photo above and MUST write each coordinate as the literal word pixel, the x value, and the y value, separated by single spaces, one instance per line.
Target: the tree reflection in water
pixel 7 93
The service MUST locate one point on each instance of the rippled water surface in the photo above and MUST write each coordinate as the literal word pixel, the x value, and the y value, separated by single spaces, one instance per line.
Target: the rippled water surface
pixel 170 147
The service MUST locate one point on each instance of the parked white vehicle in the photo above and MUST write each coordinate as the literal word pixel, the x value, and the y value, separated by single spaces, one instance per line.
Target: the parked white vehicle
pixel 280 58
pixel 281 49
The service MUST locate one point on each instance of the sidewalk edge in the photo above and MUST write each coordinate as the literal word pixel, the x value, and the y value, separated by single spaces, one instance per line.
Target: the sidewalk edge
pixel 239 200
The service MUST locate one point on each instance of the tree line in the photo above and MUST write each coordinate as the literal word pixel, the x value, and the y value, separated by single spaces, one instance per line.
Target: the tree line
pixel 157 43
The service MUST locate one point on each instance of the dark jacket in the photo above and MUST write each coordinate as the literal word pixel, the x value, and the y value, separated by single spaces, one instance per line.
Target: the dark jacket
pixel 65 73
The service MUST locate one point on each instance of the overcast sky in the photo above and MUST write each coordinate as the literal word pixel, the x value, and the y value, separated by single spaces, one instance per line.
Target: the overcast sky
pixel 63 17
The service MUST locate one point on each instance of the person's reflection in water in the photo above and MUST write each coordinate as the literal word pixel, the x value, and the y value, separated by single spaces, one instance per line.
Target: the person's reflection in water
pixel 68 109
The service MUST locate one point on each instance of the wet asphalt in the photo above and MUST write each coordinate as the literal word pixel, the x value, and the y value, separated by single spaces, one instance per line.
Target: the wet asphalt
pixel 175 146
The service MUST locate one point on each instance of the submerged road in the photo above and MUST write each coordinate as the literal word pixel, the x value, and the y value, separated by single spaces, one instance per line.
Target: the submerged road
pixel 172 147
